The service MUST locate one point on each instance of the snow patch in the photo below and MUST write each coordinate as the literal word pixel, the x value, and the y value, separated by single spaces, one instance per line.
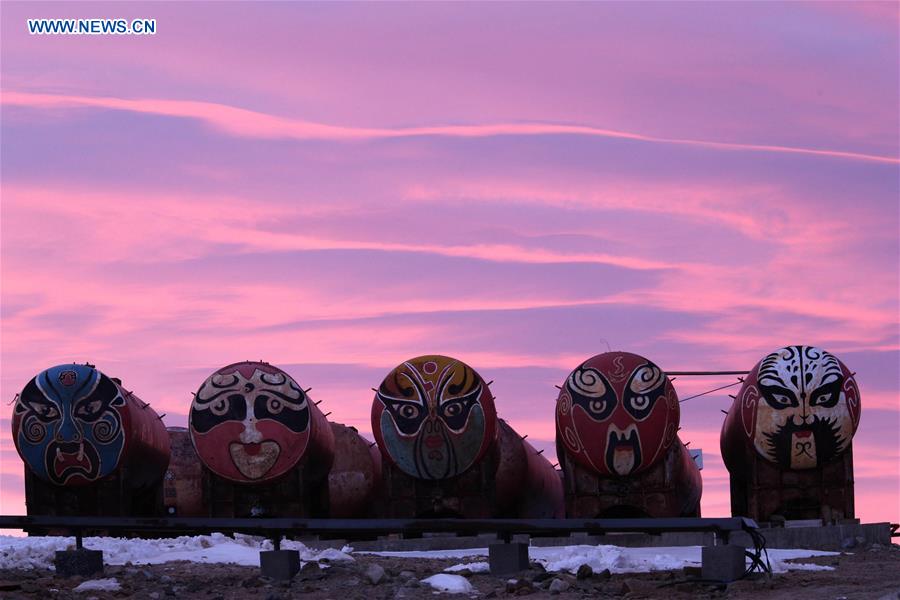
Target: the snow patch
pixel 99 585
pixel 475 567
pixel 454 584
pixel 39 552
pixel 623 560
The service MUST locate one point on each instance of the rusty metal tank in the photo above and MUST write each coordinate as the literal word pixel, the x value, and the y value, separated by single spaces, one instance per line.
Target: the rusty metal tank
pixel 617 416
pixel 73 426
pixel 447 454
pixel 787 438
pixel 90 446
pixel 355 476
pixel 250 422
pixel 265 445
pixel 183 481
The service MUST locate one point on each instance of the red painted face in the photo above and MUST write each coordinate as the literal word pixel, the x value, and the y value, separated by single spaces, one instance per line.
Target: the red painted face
pixel 617 414
pixel 250 422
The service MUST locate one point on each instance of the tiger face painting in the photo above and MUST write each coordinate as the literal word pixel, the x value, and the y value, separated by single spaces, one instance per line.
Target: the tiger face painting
pixel 68 425
pixel 800 407
pixel 250 422
pixel 433 417
pixel 617 414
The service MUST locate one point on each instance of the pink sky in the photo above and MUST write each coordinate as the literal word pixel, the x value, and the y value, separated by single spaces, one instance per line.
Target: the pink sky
pixel 334 188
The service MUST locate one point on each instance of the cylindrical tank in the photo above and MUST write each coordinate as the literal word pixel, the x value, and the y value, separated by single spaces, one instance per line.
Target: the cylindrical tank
pixel 434 417
pixel 787 438
pixel 355 476
pixel 250 422
pixel 797 409
pixel 524 469
pixel 617 415
pixel 446 452
pixel 73 426
pixel 183 482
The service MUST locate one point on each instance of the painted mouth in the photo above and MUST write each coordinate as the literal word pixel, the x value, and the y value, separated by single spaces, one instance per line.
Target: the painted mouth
pixel 66 459
pixel 623 450
pixel 805 445
pixel 254 460
pixel 433 441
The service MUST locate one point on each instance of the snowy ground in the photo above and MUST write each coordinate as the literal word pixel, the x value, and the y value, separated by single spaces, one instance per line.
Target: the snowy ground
pixel 38 552
pixel 615 558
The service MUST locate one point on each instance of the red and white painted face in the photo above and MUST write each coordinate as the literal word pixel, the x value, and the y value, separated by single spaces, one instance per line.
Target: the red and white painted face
pixel 617 414
pixel 799 407
pixel 250 422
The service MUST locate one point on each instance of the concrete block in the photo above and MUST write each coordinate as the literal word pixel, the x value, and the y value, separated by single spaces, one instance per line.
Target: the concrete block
pixel 279 564
pixel 722 563
pixel 508 558
pixel 78 562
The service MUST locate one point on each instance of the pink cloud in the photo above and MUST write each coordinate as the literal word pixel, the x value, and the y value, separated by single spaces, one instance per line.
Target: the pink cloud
pixel 248 123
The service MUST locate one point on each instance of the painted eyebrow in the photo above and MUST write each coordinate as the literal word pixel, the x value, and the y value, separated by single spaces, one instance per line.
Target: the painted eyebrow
pixel 475 391
pixel 420 400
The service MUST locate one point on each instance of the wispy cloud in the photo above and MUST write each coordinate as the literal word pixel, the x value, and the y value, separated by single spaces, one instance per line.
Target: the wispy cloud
pixel 248 123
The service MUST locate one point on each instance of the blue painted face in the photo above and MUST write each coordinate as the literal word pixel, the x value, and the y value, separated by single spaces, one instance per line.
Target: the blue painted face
pixel 67 425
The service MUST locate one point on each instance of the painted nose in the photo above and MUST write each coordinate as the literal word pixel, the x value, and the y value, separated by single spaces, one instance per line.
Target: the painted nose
pixel 67 432
pixel 250 434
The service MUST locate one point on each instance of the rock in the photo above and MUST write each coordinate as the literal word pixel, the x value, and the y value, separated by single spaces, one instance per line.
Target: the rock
pixel 9 586
pixel 154 595
pixel 542 576
pixel 515 586
pixel 251 582
pixel 584 572
pixel 605 574
pixel 164 579
pixel 310 571
pixel 407 576
pixel 557 586
pixel 374 573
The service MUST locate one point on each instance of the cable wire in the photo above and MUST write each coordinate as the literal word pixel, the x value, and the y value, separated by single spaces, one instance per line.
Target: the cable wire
pixel 711 391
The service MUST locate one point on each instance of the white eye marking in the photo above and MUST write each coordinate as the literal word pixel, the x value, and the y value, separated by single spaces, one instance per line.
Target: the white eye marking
pixel 647 378
pixel 598 405
pixel 587 382
pixel 640 402
pixel 408 411
pixel 220 406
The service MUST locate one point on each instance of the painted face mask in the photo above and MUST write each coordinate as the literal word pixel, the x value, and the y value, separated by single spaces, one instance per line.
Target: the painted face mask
pixel 617 414
pixel 434 417
pixel 250 422
pixel 68 425
pixel 799 407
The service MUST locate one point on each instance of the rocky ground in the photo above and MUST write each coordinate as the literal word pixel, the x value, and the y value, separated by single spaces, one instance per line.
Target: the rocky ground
pixel 867 573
